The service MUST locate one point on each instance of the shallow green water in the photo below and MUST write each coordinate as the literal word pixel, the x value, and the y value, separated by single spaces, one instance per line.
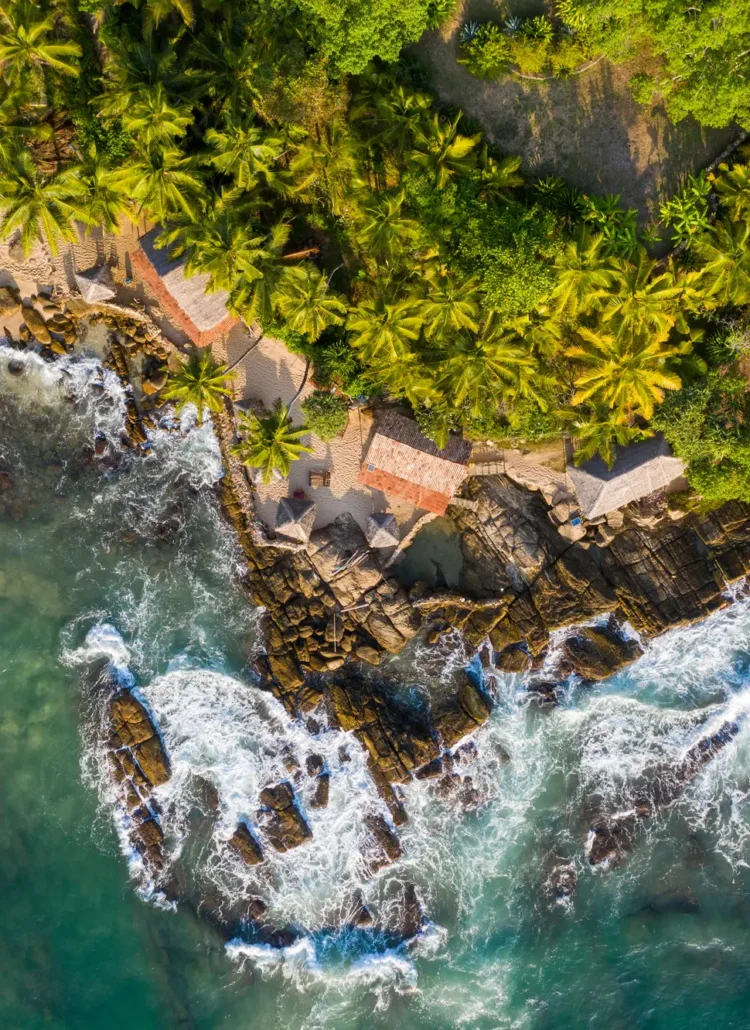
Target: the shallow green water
pixel 662 942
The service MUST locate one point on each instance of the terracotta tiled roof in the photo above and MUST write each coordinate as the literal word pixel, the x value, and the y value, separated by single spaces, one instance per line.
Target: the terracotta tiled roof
pixel 203 316
pixel 404 462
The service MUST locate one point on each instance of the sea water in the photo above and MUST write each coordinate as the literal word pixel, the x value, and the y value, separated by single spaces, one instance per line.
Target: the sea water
pixel 126 561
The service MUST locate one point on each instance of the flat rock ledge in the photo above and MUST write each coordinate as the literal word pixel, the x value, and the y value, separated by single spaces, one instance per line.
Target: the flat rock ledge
pixel 138 763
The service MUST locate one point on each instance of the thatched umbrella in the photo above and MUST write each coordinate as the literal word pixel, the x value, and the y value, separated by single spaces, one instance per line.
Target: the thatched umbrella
pixel 382 530
pixel 295 518
pixel 95 284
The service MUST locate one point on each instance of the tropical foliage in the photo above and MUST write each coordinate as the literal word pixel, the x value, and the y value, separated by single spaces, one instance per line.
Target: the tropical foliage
pixel 202 381
pixel 326 414
pixel 270 442
pixel 701 51
pixel 386 241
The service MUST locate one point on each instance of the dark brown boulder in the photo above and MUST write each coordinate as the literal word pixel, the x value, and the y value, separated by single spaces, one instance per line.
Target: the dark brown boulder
pixel 322 788
pixel 383 846
pixel 430 771
pixel 314 765
pixel 246 846
pixel 596 652
pixel 129 720
pixel 513 659
pixel 467 711
pixel 37 326
pixel 153 761
pixel 282 822
pixel 411 916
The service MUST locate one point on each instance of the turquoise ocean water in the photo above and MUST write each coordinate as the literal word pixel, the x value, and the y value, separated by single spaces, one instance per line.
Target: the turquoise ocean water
pixel 133 565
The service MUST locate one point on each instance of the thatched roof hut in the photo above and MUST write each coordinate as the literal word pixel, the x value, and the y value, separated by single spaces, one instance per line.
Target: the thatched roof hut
pixel 639 470
pixel 203 316
pixel 382 530
pixel 96 284
pixel 295 519
pixel 401 460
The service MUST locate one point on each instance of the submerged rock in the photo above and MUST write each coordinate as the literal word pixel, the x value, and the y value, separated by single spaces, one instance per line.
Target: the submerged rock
pixel 596 652
pixel 382 846
pixel 612 835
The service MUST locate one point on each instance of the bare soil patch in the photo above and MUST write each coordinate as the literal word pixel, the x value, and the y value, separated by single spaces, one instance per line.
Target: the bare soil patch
pixel 588 129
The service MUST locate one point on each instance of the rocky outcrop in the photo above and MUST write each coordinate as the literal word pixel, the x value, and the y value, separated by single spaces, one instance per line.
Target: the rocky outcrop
pixel 282 822
pixel 613 834
pixel 327 603
pixel 246 846
pixel 596 652
pixel 138 763
pixel 522 580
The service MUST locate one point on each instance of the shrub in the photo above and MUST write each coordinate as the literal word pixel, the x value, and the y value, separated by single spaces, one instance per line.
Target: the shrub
pixel 708 426
pixel 686 213
pixel 326 414
pixel 336 364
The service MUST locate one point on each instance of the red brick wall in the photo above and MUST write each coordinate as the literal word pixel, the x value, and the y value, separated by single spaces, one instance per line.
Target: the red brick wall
pixel 419 496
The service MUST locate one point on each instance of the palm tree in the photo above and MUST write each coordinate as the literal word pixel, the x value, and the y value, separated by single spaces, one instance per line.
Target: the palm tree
pixel 725 249
pixel 603 431
pixel 384 232
pixel 449 305
pixel 200 381
pixel 270 443
pixel 401 113
pixel 161 183
pixel 220 241
pixel 245 152
pixel 254 297
pixel 638 299
pixel 304 302
pixel 479 370
pixel 497 177
pixel 383 329
pixel 442 150
pixel 228 63
pixel 153 119
pixel 733 187
pixel 100 201
pixel 583 276
pixel 26 46
pixel 42 207
pixel 158 10
pixel 625 371
pixel 324 164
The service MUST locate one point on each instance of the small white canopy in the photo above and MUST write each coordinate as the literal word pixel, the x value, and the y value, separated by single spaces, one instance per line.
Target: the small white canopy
pixel 295 518
pixel 382 530
pixel 95 284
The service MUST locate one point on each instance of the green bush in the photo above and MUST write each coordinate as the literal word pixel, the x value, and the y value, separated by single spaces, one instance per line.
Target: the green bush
pixel 535 46
pixel 326 414
pixel 686 213
pixel 336 364
pixel 708 425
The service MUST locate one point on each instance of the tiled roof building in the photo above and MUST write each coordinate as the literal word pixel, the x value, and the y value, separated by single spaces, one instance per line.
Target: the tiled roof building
pixel 401 460
pixel 203 316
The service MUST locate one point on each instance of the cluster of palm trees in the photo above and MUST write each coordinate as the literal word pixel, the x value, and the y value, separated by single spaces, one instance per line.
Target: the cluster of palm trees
pixel 314 223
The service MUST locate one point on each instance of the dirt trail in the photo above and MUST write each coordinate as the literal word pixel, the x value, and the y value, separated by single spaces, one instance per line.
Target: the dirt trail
pixel 588 129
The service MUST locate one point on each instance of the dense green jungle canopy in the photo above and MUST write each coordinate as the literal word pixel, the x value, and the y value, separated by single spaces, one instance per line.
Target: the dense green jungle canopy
pixel 290 153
